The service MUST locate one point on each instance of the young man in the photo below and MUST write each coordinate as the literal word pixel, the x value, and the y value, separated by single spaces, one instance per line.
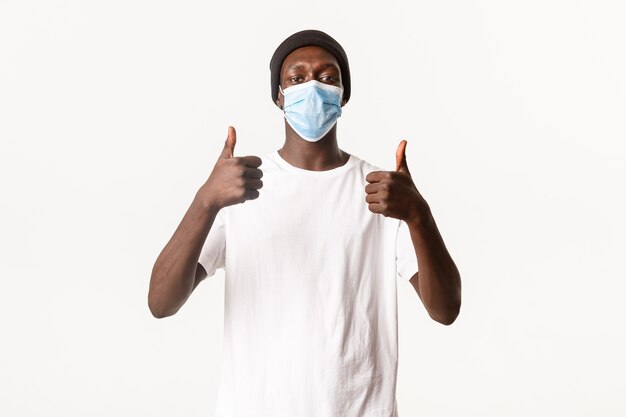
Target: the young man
pixel 311 259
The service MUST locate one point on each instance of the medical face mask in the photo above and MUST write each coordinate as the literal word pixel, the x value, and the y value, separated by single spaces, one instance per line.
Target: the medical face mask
pixel 312 108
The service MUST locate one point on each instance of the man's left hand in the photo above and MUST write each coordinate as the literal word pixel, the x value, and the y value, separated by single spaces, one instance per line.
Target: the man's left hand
pixel 393 193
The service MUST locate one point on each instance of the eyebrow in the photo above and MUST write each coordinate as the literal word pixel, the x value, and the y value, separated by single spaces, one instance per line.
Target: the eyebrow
pixel 300 65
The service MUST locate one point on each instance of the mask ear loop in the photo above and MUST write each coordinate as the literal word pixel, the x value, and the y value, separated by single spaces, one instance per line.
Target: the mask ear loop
pixel 283 93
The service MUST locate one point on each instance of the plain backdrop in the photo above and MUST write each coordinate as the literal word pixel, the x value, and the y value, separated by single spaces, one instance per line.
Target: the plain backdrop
pixel 112 115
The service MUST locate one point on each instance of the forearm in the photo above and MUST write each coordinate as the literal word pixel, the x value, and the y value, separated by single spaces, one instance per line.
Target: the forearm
pixel 438 282
pixel 173 274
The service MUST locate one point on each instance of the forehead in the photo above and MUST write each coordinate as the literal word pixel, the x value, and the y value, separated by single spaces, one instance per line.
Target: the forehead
pixel 309 55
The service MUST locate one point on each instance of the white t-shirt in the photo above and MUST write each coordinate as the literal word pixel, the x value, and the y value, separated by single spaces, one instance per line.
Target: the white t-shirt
pixel 310 296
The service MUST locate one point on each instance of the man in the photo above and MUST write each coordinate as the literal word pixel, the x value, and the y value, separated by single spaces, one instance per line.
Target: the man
pixel 311 258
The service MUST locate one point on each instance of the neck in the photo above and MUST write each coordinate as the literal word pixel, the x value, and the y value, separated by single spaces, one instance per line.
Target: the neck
pixel 314 156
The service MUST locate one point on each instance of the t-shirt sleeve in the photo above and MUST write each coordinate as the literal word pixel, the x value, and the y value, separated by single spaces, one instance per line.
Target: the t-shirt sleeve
pixel 406 261
pixel 212 255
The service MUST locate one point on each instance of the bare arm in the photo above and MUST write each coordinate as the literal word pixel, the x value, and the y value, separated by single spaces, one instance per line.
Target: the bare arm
pixel 438 282
pixel 176 272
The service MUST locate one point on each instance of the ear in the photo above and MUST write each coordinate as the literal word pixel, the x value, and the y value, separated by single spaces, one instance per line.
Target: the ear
pixel 279 100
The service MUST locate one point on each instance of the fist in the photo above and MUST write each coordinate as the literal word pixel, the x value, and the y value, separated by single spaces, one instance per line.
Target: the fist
pixel 393 193
pixel 233 179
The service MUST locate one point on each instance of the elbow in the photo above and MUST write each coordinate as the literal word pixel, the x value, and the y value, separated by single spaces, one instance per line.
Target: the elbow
pixel 446 318
pixel 157 311
pixel 160 302
pixel 158 314
pixel 157 308
pixel 448 314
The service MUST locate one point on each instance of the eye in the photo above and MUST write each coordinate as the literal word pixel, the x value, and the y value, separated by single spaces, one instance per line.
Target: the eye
pixel 329 79
pixel 295 79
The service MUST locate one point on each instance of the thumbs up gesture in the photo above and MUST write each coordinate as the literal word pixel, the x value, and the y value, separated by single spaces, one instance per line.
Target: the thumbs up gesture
pixel 393 193
pixel 233 179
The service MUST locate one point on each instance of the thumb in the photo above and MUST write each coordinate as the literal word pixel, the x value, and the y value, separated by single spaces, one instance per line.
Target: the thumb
pixel 401 165
pixel 229 145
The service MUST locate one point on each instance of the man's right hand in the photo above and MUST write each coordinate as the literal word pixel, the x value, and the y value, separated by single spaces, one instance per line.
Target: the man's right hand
pixel 234 179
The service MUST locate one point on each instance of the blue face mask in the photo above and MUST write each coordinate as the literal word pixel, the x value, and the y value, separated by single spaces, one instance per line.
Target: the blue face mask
pixel 312 108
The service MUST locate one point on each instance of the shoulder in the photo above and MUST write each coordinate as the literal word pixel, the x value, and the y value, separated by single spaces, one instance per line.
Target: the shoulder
pixel 364 167
pixel 270 164
pixel 268 160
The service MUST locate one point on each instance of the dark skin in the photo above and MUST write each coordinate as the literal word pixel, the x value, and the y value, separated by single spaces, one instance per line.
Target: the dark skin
pixel 234 180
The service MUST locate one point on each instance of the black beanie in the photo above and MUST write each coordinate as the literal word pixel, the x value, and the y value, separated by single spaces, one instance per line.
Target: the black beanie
pixel 309 38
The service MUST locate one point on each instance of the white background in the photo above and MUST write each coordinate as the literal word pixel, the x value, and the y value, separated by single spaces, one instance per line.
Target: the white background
pixel 112 115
